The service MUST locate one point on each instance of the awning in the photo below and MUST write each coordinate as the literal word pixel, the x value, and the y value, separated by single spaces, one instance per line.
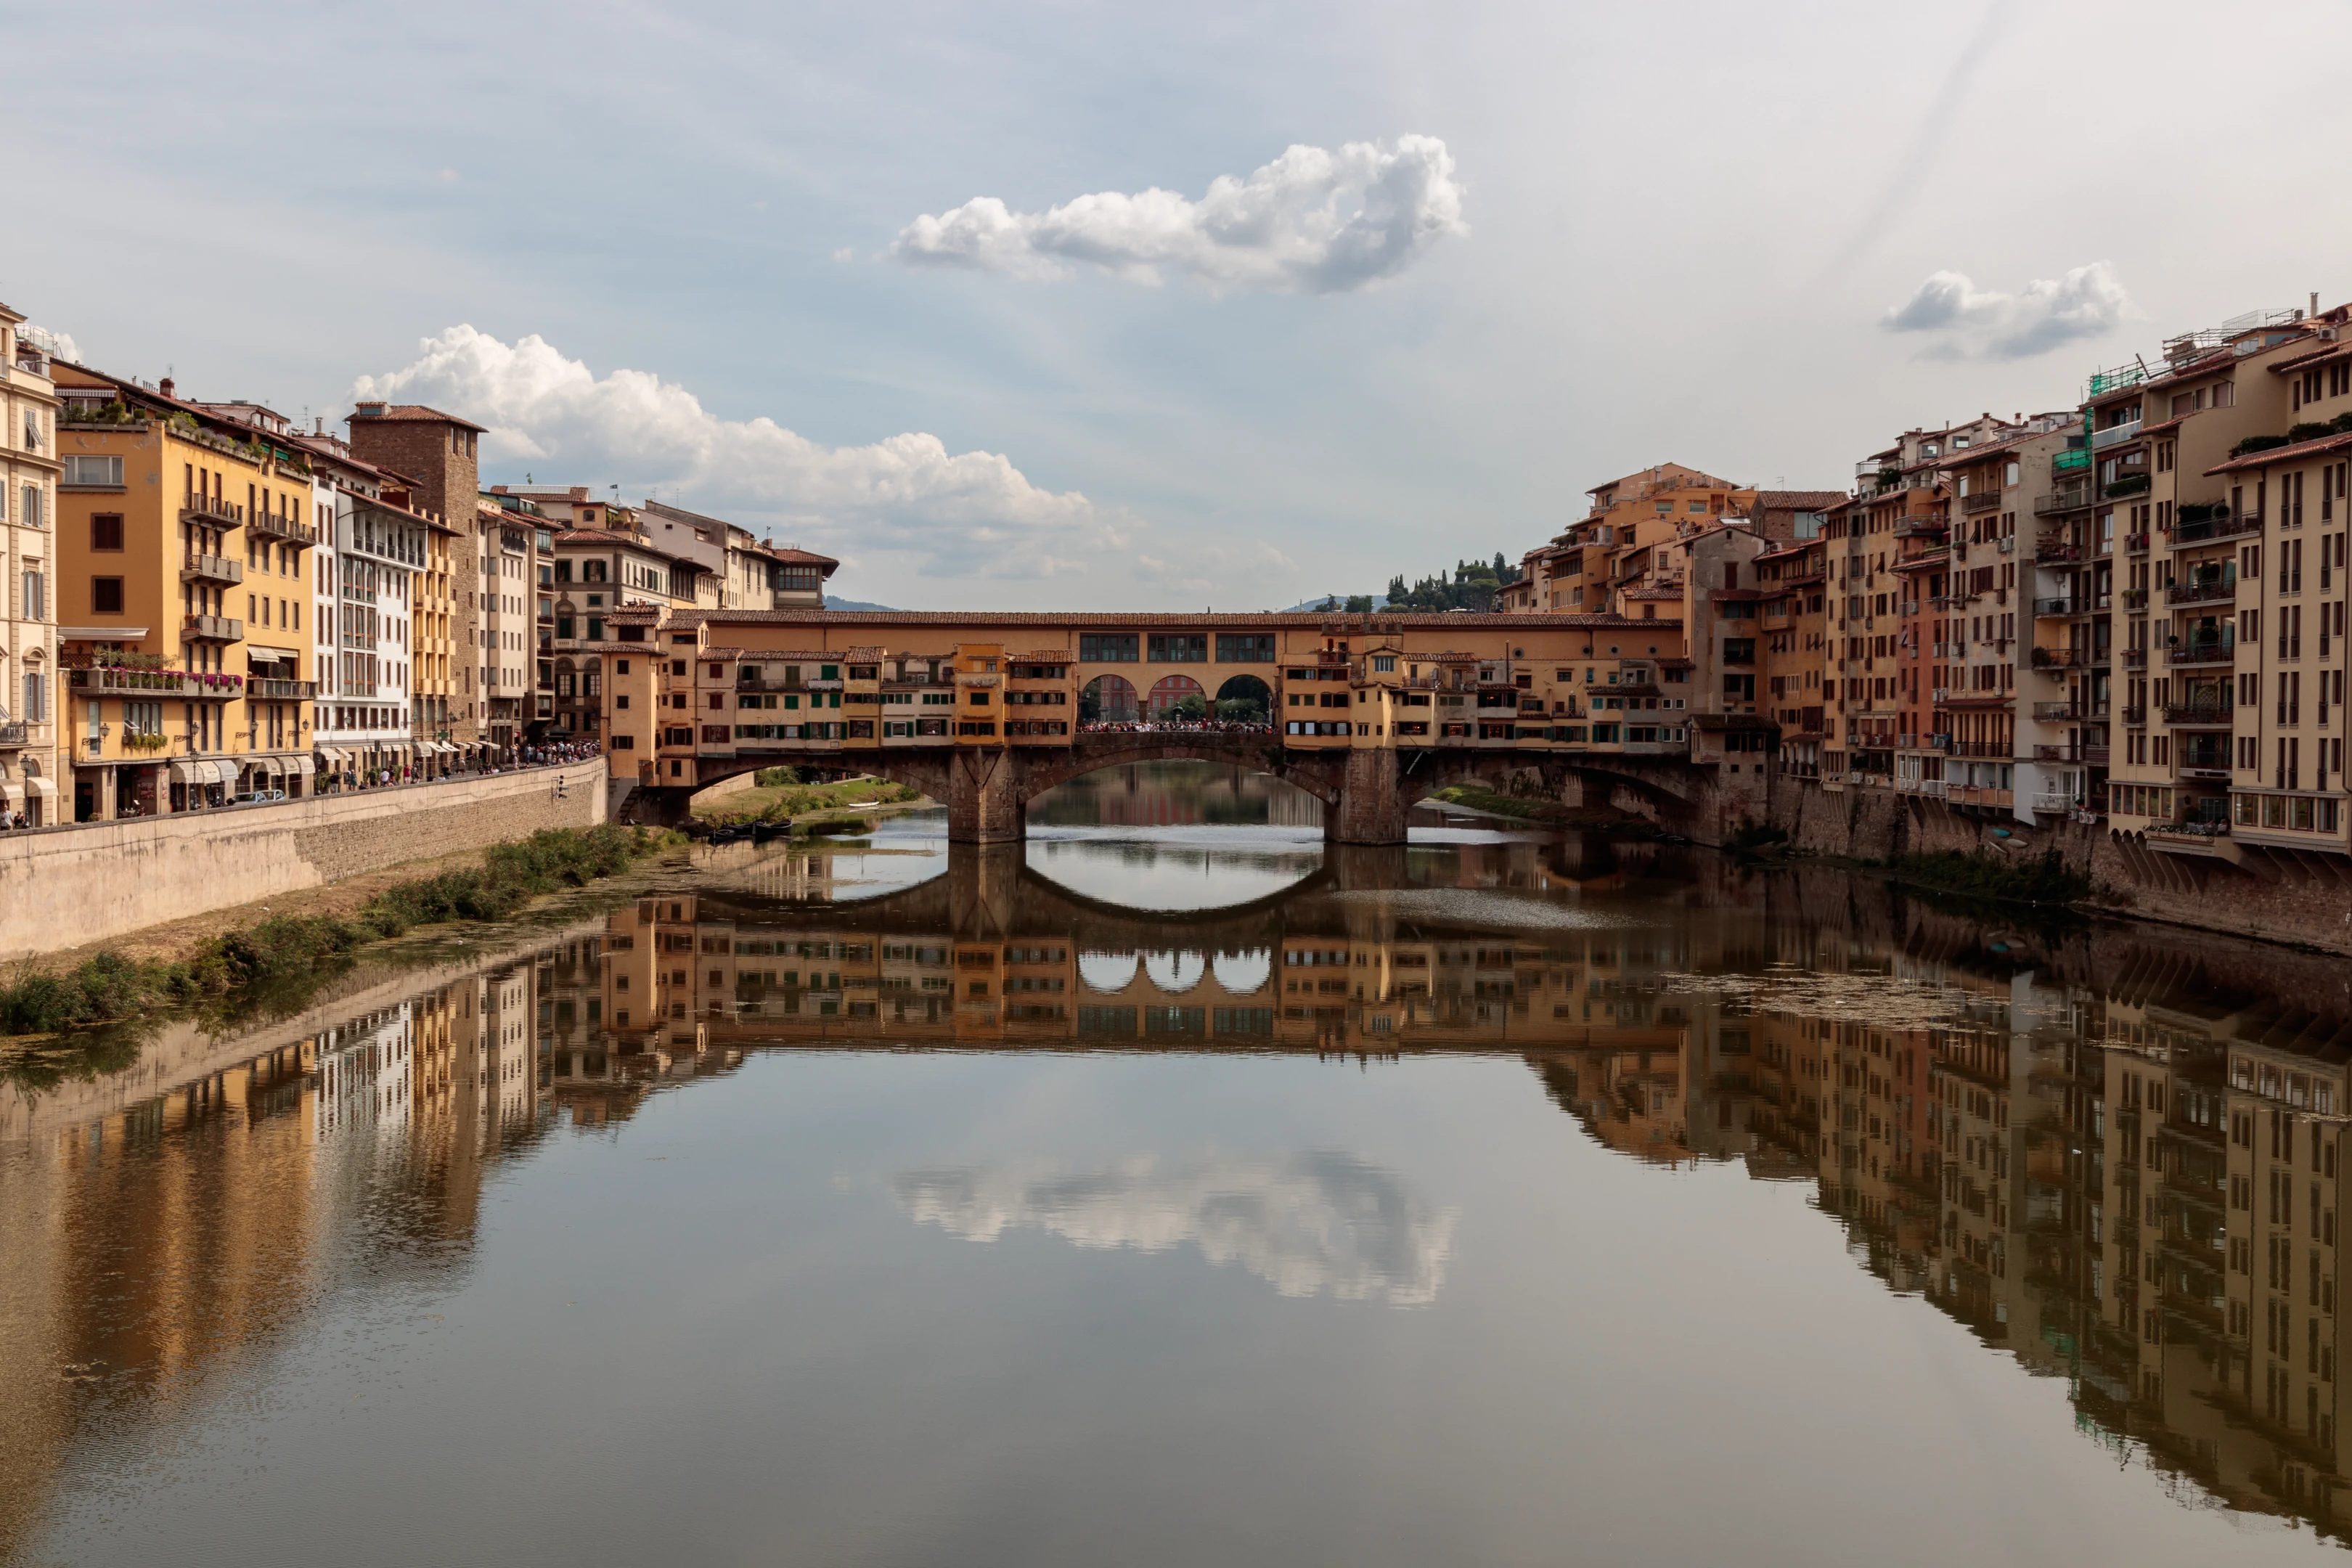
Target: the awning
pixel 11 791
pixel 186 769
pixel 46 788
pixel 271 655
pixel 305 767
pixel 334 755
pixel 220 772
pixel 275 767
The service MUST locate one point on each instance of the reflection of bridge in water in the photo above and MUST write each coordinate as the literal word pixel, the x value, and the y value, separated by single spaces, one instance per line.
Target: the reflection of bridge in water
pixel 1979 1123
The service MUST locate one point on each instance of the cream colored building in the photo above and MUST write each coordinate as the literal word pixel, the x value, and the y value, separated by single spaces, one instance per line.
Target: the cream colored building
pixel 28 626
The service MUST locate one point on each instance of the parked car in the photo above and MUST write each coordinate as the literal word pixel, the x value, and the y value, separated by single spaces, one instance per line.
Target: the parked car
pixel 262 796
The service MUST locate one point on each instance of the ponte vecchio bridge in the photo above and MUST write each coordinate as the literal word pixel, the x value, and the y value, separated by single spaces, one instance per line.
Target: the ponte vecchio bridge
pixel 984 711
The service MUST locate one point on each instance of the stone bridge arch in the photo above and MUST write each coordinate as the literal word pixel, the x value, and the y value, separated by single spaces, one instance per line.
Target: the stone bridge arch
pixel 1365 791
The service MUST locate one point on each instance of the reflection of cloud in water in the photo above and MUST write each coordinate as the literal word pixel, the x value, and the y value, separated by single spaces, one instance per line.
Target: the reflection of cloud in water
pixel 1106 971
pixel 1175 971
pixel 1308 1223
pixel 1197 869
pixel 1243 973
pixel 1479 906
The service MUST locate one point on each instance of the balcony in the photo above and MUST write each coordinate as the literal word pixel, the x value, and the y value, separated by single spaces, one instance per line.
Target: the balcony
pixel 211 569
pixel 2059 554
pixel 1983 500
pixel 211 628
pixel 2071 499
pixel 2223 650
pixel 2198 715
pixel 2136 717
pixel 154 683
pixel 2092 756
pixel 2055 802
pixel 281 690
pixel 2055 607
pixel 2134 658
pixel 1920 528
pixel 270 525
pixel 2061 659
pixel 211 511
pixel 2212 591
pixel 2063 713
pixel 14 733
pixel 2114 435
pixel 2207 528
pixel 2136 543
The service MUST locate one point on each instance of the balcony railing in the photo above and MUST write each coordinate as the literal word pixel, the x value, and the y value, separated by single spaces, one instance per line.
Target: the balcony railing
pixel 213 628
pixel 2136 716
pixel 2058 555
pixel 2061 659
pixel 270 525
pixel 2053 606
pixel 2212 591
pixel 211 509
pixel 2114 435
pixel 2198 715
pixel 199 568
pixel 2095 756
pixel 281 690
pixel 14 733
pixel 155 683
pixel 2061 712
pixel 2068 500
pixel 2202 650
pixel 2134 657
pixel 1983 500
pixel 2136 544
pixel 2216 528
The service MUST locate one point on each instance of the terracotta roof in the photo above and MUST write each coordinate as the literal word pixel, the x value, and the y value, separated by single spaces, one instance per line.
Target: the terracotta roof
pixel 1286 620
pixel 2296 452
pixel 417 413
pixel 798 557
pixel 1800 500
pixel 2318 356
pixel 809 655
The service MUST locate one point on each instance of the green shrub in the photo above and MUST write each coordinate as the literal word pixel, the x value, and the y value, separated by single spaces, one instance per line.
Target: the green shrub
pixel 2308 430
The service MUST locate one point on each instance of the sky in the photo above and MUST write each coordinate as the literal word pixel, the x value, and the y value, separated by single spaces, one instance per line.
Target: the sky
pixel 1080 306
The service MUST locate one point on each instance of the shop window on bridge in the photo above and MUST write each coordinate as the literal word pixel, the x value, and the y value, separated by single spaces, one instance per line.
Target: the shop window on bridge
pixel 1179 648
pixel 930 726
pixel 1244 648
pixel 861 729
pixel 1037 672
pixel 975 727
pixel 1106 648
pixel 1604 734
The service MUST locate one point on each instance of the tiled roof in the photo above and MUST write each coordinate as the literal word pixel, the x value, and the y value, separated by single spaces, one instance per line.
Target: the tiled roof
pixel 419 414
pixel 807 655
pixel 2318 356
pixel 1287 620
pixel 1800 500
pixel 2293 453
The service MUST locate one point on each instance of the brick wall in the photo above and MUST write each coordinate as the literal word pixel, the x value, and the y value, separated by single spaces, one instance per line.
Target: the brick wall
pixel 70 886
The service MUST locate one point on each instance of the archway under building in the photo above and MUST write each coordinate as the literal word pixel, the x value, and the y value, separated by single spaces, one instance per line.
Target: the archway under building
pixel 1244 700
pixel 1177 696
pixel 1109 699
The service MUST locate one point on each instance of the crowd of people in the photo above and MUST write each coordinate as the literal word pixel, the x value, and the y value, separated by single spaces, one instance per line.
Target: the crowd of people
pixel 1172 723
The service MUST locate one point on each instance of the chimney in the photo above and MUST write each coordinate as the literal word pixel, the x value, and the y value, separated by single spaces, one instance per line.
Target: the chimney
pixel 165 387
pixel 2315 302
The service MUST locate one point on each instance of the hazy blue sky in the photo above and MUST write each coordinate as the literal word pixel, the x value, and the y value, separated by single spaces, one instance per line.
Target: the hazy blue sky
pixel 872 275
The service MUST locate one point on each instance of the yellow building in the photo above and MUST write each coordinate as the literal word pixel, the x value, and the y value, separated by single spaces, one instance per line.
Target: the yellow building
pixel 184 594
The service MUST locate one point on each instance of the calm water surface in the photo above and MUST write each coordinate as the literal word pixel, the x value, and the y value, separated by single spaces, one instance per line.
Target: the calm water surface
pixel 1169 1190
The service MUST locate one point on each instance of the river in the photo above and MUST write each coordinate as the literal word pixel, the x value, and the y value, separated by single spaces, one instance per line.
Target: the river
pixel 1170 1189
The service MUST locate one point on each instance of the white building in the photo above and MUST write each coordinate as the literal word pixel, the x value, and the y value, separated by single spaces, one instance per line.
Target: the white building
pixel 30 474
pixel 364 676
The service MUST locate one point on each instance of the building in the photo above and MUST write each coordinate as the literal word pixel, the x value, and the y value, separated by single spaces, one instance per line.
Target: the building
pixel 35 469
pixel 183 582
pixel 440 454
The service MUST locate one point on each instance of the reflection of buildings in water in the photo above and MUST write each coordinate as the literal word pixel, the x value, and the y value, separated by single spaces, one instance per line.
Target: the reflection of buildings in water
pixel 2137 1190
pixel 1310 1224
pixel 1176 794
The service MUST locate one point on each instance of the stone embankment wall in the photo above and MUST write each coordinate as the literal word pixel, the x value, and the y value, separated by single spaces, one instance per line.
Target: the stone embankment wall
pixel 2304 900
pixel 67 887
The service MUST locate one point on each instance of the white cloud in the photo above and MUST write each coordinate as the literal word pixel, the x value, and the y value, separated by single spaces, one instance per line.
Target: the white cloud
pixel 2084 303
pixel 1308 1225
pixel 1312 220
pixel 967 513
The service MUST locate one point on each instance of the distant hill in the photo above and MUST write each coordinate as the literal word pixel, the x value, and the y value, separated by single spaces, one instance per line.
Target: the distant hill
pixel 1380 601
pixel 833 604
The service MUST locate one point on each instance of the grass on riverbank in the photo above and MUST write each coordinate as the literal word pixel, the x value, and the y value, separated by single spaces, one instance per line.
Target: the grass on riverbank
pixel 775 796
pixel 109 986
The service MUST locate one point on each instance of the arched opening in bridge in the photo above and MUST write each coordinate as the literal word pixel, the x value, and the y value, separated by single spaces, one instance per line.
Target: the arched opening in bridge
pixel 1179 696
pixel 1246 700
pixel 1108 700
pixel 1243 973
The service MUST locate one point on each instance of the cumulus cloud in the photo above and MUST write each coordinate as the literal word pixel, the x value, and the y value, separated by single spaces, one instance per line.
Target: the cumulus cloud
pixel 1312 221
pixel 2049 311
pixel 1309 1225
pixel 963 513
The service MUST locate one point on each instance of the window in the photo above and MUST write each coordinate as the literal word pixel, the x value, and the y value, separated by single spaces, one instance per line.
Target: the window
pixel 37 595
pixel 92 471
pixel 105 595
pixel 1179 648
pixel 29 513
pixel 1244 648
pixel 37 699
pixel 1106 648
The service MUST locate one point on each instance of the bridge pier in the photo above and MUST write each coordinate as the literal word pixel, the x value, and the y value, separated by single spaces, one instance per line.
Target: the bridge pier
pixel 985 801
pixel 1369 806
